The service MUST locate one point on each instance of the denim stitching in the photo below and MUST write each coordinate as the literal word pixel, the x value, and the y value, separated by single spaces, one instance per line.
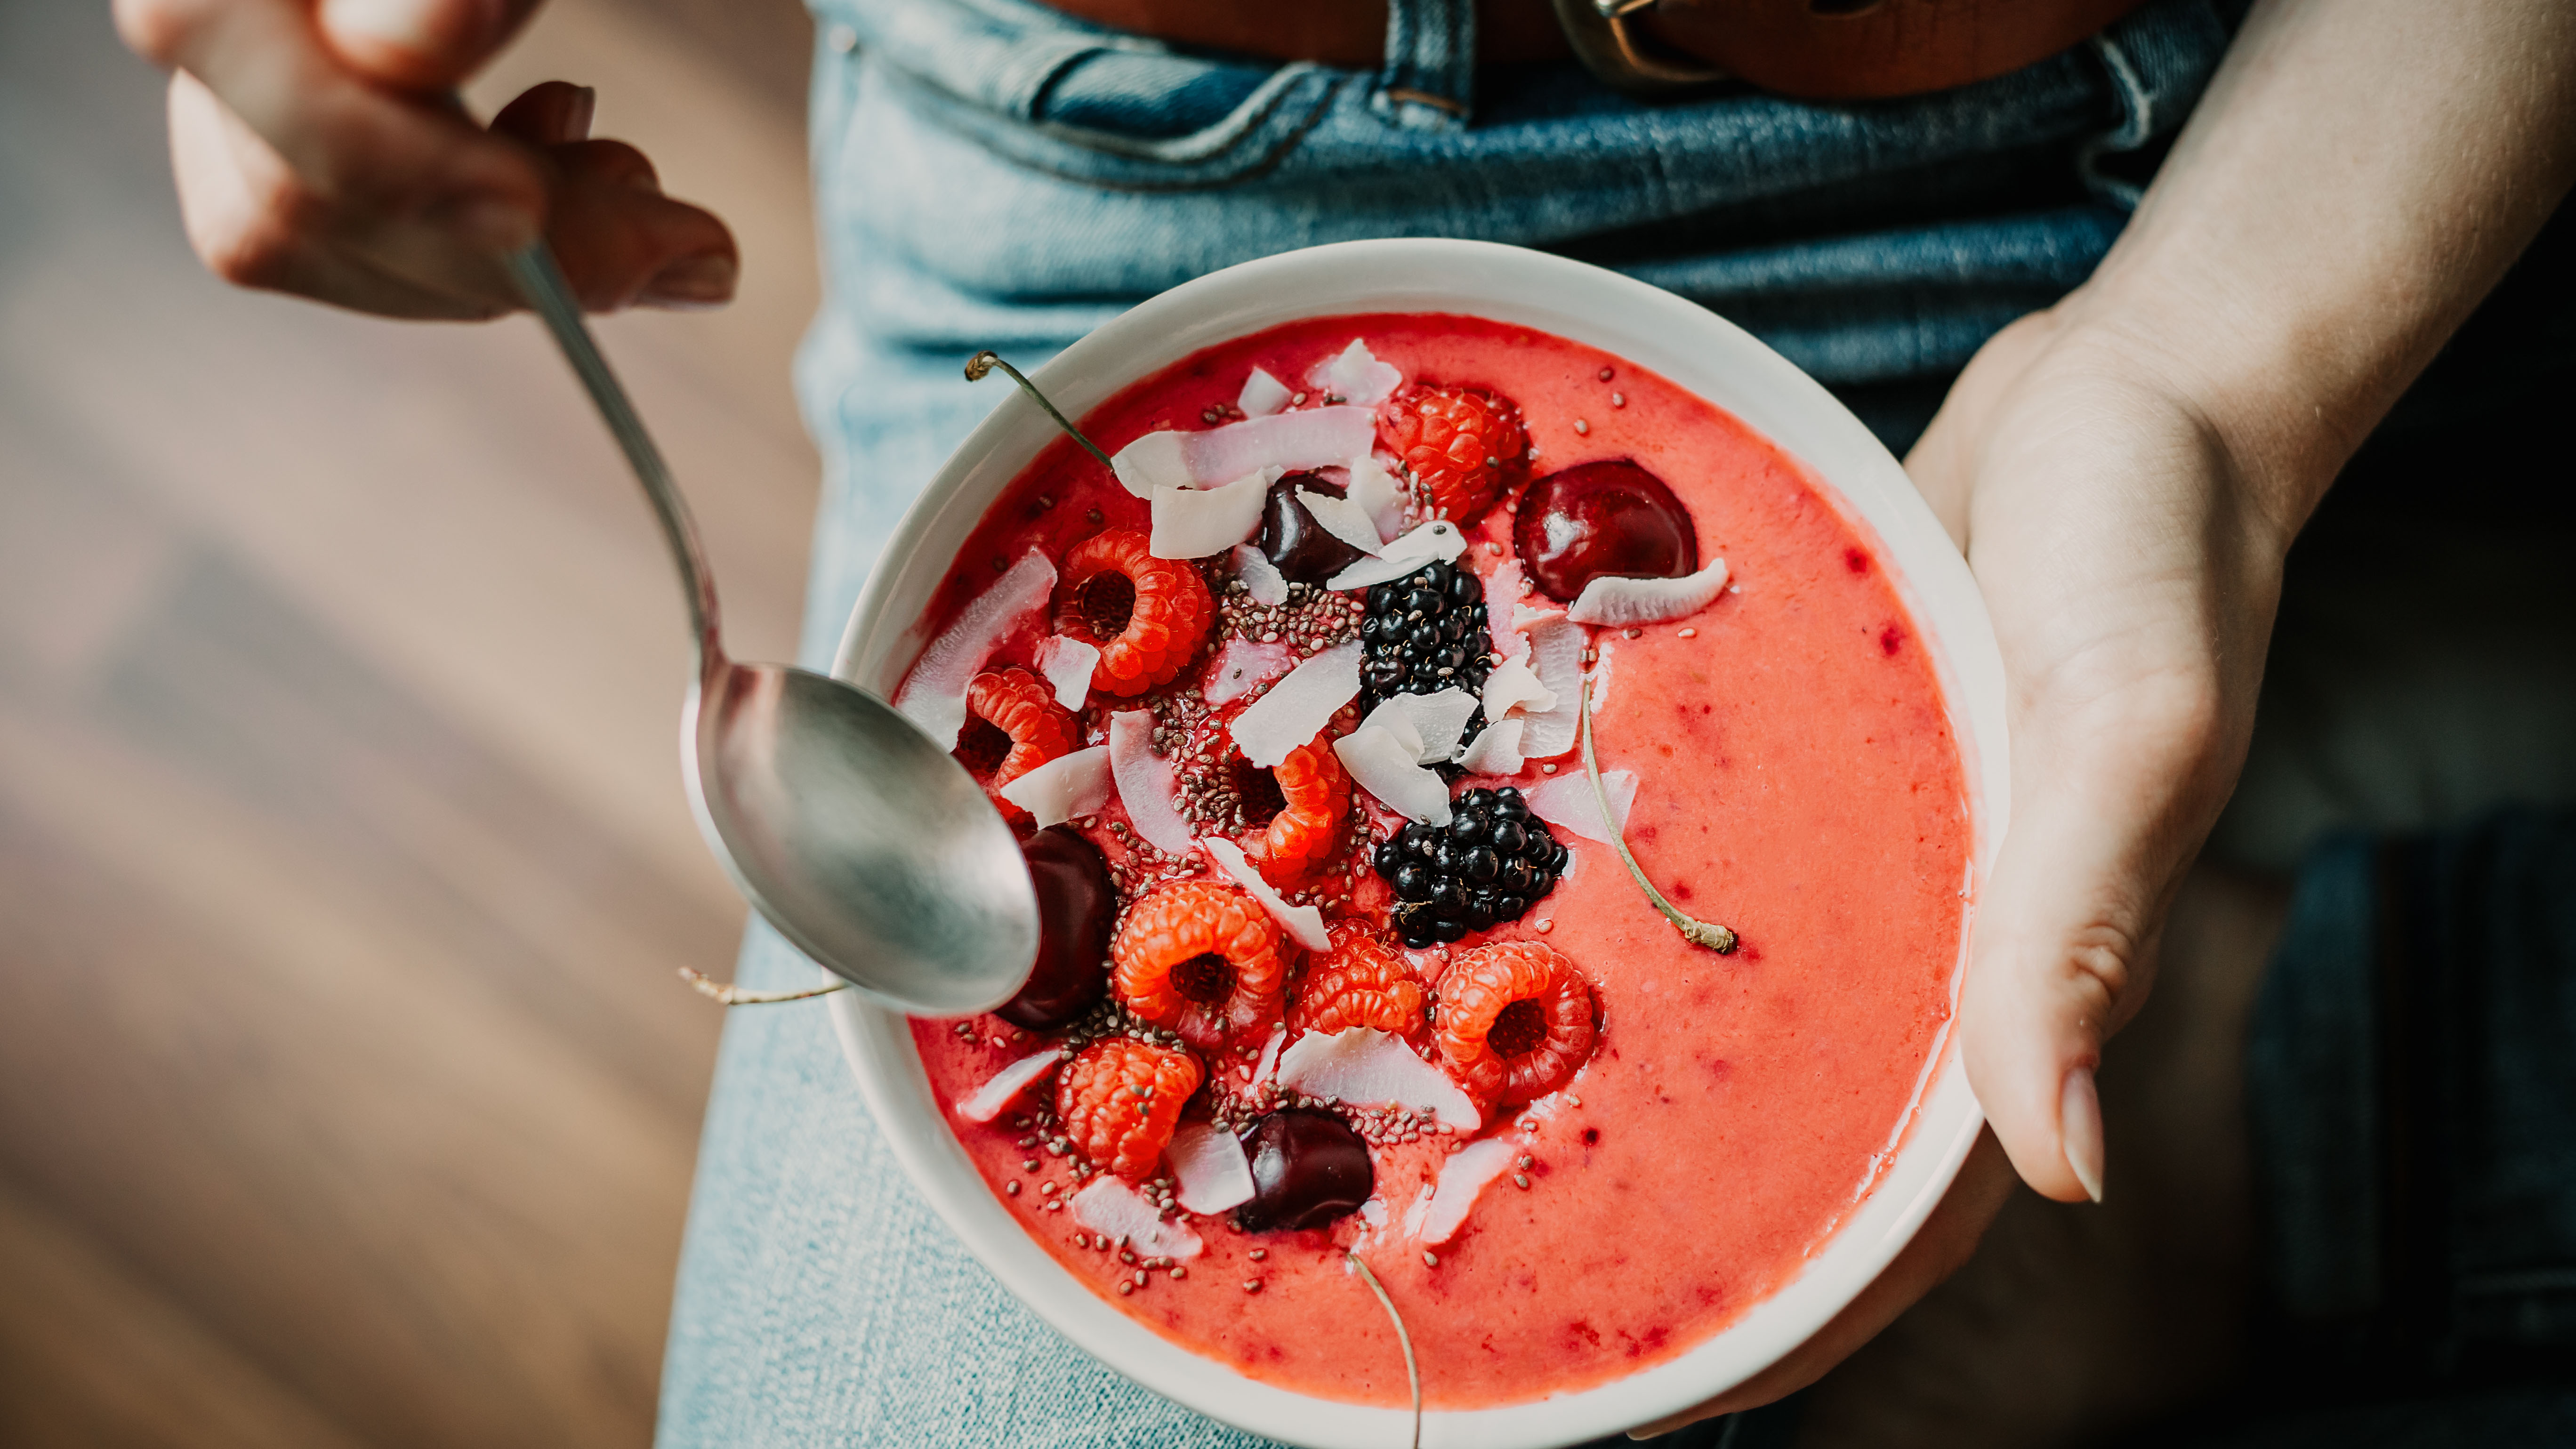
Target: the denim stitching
pixel 1265 123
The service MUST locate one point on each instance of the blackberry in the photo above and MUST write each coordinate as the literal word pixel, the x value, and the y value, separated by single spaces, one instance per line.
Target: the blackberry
pixel 1424 633
pixel 1490 864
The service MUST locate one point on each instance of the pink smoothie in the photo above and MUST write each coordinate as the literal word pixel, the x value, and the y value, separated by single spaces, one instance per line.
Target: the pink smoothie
pixel 1798 781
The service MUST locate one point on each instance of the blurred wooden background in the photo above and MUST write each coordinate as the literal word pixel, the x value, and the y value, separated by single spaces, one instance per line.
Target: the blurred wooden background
pixel 346 1093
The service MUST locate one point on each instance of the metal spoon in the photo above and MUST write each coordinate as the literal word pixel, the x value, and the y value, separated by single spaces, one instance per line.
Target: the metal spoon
pixel 856 834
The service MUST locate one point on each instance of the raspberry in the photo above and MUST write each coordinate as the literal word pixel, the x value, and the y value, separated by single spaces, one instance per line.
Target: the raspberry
pixel 1460 446
pixel 1203 959
pixel 1515 1021
pixel 1304 835
pixel 1013 725
pixel 1359 983
pixel 1119 1100
pixel 1146 615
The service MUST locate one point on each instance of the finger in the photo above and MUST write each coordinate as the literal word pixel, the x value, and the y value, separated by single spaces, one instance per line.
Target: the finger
pixel 550 113
pixel 623 243
pixel 246 216
pixel 418 45
pixel 1943 461
pixel 1945 1242
pixel 609 166
pixel 2064 946
pixel 354 147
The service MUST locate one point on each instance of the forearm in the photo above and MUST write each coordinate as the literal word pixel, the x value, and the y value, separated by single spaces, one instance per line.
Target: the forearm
pixel 2358 176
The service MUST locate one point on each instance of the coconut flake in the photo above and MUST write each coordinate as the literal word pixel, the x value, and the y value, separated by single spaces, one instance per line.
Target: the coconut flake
pixel 1503 586
pixel 1195 522
pixel 1496 749
pixel 1567 800
pixel 1438 540
pixel 1242 666
pixel 1298 707
pixel 1556 657
pixel 1513 685
pixel 1209 1165
pixel 1526 615
pixel 933 695
pixel 1269 1063
pixel 1261 578
pixel 1066 786
pixel 1305 438
pixel 1110 1206
pixel 1004 1087
pixel 1462 1177
pixel 1262 394
pixel 1145 782
pixel 1154 461
pixel 1439 718
pixel 1382 765
pixel 1373 486
pixel 1610 599
pixel 1306 923
pixel 1343 519
pixel 1390 717
pixel 1364 1067
pixel 1067 664
pixel 1356 375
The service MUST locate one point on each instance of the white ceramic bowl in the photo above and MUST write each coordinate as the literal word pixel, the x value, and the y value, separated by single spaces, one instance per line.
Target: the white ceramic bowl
pixel 1649 327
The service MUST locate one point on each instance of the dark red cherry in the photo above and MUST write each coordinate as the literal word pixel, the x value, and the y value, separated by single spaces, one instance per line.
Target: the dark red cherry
pixel 1076 908
pixel 1602 518
pixel 1307 1169
pixel 1304 551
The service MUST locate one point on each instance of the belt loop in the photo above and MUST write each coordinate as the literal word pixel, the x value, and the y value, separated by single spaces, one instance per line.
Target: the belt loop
pixel 2137 102
pixel 1430 76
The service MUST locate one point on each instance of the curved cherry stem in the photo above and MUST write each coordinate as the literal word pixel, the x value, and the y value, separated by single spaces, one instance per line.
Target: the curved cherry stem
pixel 1697 932
pixel 727 994
pixel 1412 1372
pixel 981 365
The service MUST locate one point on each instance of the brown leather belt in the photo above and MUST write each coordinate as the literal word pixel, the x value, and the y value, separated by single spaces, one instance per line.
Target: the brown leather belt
pixel 1822 49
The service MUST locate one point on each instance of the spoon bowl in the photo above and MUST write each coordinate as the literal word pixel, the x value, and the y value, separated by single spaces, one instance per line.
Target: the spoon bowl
pixel 861 839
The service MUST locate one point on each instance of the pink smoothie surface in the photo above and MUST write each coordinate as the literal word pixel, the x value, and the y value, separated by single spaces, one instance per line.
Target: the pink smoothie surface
pixel 1798 781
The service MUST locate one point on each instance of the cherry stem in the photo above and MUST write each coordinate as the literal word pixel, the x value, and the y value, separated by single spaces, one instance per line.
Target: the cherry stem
pixel 1696 931
pixel 729 994
pixel 982 364
pixel 1412 1373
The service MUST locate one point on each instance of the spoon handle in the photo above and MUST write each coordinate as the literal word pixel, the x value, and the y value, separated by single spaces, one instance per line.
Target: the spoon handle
pixel 542 282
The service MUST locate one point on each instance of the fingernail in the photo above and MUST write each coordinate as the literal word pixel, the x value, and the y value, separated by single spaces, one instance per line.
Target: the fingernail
pixel 416 26
pixel 691 282
pixel 2079 1130
pixel 487 223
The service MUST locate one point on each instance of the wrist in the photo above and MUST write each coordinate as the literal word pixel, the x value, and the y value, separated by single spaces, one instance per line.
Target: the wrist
pixel 2280 418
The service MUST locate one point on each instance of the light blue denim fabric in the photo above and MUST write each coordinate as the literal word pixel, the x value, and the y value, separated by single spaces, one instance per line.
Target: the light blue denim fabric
pixel 990 173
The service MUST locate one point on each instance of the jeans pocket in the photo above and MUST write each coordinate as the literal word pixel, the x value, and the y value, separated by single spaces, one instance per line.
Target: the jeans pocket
pixel 1088 105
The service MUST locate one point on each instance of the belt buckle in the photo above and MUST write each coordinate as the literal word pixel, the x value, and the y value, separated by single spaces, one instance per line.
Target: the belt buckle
pixel 1605 38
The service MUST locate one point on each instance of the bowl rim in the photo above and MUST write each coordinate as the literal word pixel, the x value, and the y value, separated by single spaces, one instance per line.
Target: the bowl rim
pixel 1651 328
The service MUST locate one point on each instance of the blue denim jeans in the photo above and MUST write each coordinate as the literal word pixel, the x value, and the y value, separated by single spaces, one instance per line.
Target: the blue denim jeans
pixel 990 173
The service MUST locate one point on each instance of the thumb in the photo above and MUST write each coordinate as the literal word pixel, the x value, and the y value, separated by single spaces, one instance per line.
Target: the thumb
pixel 2063 952
pixel 418 45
